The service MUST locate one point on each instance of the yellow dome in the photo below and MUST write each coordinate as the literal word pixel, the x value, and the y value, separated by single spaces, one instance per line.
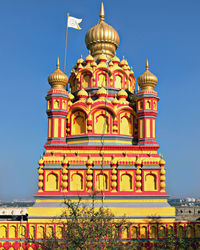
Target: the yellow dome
pixel 102 38
pixel 122 94
pixel 80 60
pixel 58 79
pixel 89 58
pixel 101 91
pixel 115 59
pixel 82 94
pixel 162 161
pixel 147 81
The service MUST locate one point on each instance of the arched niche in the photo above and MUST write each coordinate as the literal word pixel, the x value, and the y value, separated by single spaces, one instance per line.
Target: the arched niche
pixel 101 183
pixel 126 123
pixel 49 231
pixel 78 123
pixel 180 231
pixel 134 232
pixel 126 182
pixel 22 231
pixel 76 182
pixel 125 232
pixel 3 231
pixel 162 232
pixel 86 81
pixel 143 232
pixel 40 232
pixel 56 104
pixel 153 232
pixel 148 104
pixel 102 122
pixel 118 82
pixel 150 183
pixel 32 232
pixel 52 183
pixel 102 79
pixel 189 231
pixel 59 232
pixel 12 232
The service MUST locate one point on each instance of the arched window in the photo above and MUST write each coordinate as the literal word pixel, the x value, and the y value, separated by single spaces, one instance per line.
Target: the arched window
pixel 101 182
pixel 40 232
pixel 126 124
pixel 52 182
pixel 102 81
pixel 49 231
pixel 162 232
pixel 143 232
pixel 153 232
pixel 3 231
pixel 76 183
pixel 126 183
pixel 86 81
pixel 125 232
pixel 118 82
pixel 134 232
pixel 78 123
pixel 12 232
pixel 102 124
pixel 180 231
pixel 32 232
pixel 150 182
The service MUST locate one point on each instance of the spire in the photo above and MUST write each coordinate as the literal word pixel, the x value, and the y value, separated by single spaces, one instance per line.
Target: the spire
pixel 102 13
pixel 147 65
pixel 58 63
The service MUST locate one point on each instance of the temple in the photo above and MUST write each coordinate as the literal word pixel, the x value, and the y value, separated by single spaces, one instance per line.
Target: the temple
pixel 101 140
pixel 102 137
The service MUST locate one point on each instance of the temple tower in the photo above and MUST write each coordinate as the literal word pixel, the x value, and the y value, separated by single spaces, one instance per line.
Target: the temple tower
pixel 102 137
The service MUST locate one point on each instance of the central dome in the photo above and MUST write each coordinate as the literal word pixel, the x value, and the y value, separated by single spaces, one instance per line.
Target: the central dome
pixel 102 38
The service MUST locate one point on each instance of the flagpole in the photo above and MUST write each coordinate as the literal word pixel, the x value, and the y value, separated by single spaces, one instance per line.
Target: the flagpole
pixel 66 44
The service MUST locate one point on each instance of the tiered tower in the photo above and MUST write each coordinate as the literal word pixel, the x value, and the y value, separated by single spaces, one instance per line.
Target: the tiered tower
pixel 102 137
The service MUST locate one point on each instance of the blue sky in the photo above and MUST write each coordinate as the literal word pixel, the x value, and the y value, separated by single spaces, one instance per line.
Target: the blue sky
pixel 32 35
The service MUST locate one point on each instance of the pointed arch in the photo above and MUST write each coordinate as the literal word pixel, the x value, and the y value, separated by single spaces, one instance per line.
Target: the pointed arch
pixel 52 183
pixel 76 182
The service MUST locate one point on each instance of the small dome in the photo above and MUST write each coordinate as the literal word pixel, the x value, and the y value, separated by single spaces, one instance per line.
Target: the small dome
pixel 115 60
pixel 115 101
pixel 122 94
pixel 89 58
pixel 102 38
pixel 41 161
pixel 147 81
pixel 102 58
pixel 101 92
pixel 162 161
pixel 82 94
pixel 90 101
pixel 123 62
pixel 58 79
pixel 80 60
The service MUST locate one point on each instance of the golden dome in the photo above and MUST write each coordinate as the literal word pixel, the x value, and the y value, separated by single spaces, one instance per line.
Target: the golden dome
pixel 102 38
pixel 101 92
pixel 162 161
pixel 58 79
pixel 147 81
pixel 89 58
pixel 82 94
pixel 122 94
pixel 115 59
pixel 80 60
pixel 41 161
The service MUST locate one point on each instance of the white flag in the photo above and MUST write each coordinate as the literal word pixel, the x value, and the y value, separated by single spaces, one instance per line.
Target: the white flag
pixel 74 22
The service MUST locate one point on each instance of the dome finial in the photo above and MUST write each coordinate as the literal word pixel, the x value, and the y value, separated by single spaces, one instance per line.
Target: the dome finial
pixel 147 65
pixel 58 63
pixel 102 13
